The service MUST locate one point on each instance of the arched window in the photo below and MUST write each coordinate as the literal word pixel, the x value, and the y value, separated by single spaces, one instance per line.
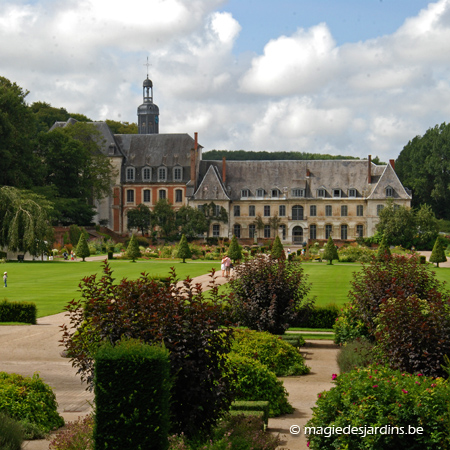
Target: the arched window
pixel 297 212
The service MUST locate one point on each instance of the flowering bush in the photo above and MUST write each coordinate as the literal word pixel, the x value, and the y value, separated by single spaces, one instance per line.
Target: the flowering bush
pixel 381 397
pixel 348 326
pixel 354 253
pixel 76 435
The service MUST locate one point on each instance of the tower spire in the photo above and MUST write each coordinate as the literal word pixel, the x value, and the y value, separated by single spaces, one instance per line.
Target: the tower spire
pixel 148 112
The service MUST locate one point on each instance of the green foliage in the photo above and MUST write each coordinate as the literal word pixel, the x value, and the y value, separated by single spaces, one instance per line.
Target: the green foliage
pixel 132 390
pixel 255 381
pixel 82 250
pixel 29 399
pixel 438 254
pixel 312 316
pixel 183 251
pixel 277 249
pixel 18 312
pixel 77 435
pixel 192 222
pixel 122 127
pixel 349 326
pixel 382 397
pixel 11 433
pixel 354 354
pixel 279 356
pixel 164 217
pixel 414 334
pixel 330 251
pixel 140 218
pixel 383 249
pixel 75 233
pixel 355 253
pixel 133 251
pixel 252 406
pixel 268 293
pixel 234 250
pixel 189 325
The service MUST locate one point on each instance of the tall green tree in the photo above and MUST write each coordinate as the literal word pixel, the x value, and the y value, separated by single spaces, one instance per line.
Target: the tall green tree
pixel 183 249
pixel 24 221
pixel 383 249
pixel 277 249
pixel 140 218
pixel 122 127
pixel 234 250
pixel 164 217
pixel 330 252
pixel 424 167
pixel 191 221
pixel 133 251
pixel 82 250
pixel 438 253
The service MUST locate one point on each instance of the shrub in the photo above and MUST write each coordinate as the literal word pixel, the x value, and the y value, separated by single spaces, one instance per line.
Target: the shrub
pixel 267 293
pixel 312 316
pixel 29 399
pixel 82 250
pixel 133 251
pixel 330 251
pixel 189 325
pixel 414 334
pixel 255 381
pixel 355 253
pixel 438 254
pixel 279 356
pixel 18 312
pixel 183 250
pixel 382 397
pixel 76 435
pixel 234 250
pixel 277 249
pixel 354 354
pixel 348 326
pixel 11 433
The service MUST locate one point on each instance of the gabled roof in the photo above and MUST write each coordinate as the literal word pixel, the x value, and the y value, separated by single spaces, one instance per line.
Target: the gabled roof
pixel 389 179
pixel 211 188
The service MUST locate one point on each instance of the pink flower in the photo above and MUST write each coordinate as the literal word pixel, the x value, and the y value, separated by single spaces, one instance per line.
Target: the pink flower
pixel 404 391
pixel 375 386
pixel 307 444
pixel 419 375
pixel 434 385
pixel 334 376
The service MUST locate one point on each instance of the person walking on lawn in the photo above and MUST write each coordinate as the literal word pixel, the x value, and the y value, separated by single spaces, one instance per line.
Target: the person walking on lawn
pixel 5 278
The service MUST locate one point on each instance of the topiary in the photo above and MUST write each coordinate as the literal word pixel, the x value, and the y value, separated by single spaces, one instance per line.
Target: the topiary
pixel 234 250
pixel 183 250
pixel 82 250
pixel 255 381
pixel 438 254
pixel 133 251
pixel 277 249
pixel 330 251
pixel 279 356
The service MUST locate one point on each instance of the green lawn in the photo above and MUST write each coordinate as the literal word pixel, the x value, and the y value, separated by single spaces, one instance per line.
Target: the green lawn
pixel 51 285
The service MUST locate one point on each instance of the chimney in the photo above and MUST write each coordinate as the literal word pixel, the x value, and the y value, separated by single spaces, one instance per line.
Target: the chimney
pixel 224 170
pixel 193 166
pixel 392 163
pixel 369 169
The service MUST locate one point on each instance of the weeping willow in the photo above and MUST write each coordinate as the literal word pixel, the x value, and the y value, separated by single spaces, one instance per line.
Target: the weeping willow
pixel 24 221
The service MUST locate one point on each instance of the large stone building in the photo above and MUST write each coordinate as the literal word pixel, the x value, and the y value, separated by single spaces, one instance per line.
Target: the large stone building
pixel 303 199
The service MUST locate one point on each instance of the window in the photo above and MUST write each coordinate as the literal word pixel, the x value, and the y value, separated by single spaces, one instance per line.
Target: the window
pixel 245 193
pixel 275 193
pixel 267 231
pixel 217 209
pixel 237 230
pixel 328 210
pixel 130 173
pixel 252 230
pixel 389 192
pixel 147 196
pixel 344 210
pixel 130 195
pixel 359 230
pixel 359 210
pixel 177 174
pixel 200 208
pixel 297 212
pixel 336 193
pixel 162 194
pixel 313 232
pixel 266 210
pixel 379 209
pixel 298 192
pixel 237 211
pixel 321 193
pixel 216 230
pixel 313 210
pixel 344 230
pixel 260 192
pixel 352 193
pixel 328 231
pixel 251 211
pixel 283 231
pixel 282 210
pixel 162 174
pixel 147 174
pixel 178 195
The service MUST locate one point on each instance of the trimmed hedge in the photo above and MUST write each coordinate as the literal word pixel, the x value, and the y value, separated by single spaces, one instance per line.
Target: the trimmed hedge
pixel 251 406
pixel 132 393
pixel 317 317
pixel 24 312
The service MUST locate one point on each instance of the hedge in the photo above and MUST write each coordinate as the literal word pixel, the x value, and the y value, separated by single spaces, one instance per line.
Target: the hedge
pixel 24 312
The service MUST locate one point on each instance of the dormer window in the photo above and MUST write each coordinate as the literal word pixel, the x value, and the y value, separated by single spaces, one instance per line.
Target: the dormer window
pixel 130 173
pixel 275 193
pixel 389 192
pixel 177 174
pixel 162 174
pixel 321 193
pixel 260 193
pixel 337 193
pixel 352 193
pixel 147 174
pixel 298 192
pixel 245 193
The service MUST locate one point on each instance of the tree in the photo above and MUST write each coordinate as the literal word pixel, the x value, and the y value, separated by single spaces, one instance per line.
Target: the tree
pixel 24 221
pixel 427 227
pixel 122 127
pixel 164 217
pixel 424 167
pixel 274 223
pixel 191 222
pixel 133 251
pixel 259 224
pixel 183 249
pixel 214 213
pixel 82 250
pixel 383 249
pixel 234 250
pixel 330 252
pixel 140 218
pixel 278 249
pixel 438 254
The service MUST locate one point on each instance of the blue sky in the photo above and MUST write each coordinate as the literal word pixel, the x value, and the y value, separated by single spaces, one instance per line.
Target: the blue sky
pixel 353 77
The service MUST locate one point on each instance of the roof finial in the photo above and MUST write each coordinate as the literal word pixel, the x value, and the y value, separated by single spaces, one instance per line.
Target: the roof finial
pixel 148 65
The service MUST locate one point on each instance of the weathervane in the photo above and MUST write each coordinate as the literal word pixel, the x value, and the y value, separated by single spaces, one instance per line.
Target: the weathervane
pixel 148 65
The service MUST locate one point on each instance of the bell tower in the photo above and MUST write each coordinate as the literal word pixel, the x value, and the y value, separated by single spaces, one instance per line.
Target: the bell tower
pixel 148 112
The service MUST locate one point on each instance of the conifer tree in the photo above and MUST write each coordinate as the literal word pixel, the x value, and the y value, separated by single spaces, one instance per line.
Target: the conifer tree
pixel 438 253
pixel 183 249
pixel 133 251
pixel 277 249
pixel 383 249
pixel 330 252
pixel 234 251
pixel 82 250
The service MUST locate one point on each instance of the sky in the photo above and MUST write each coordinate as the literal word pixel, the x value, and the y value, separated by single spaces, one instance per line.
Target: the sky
pixel 342 77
